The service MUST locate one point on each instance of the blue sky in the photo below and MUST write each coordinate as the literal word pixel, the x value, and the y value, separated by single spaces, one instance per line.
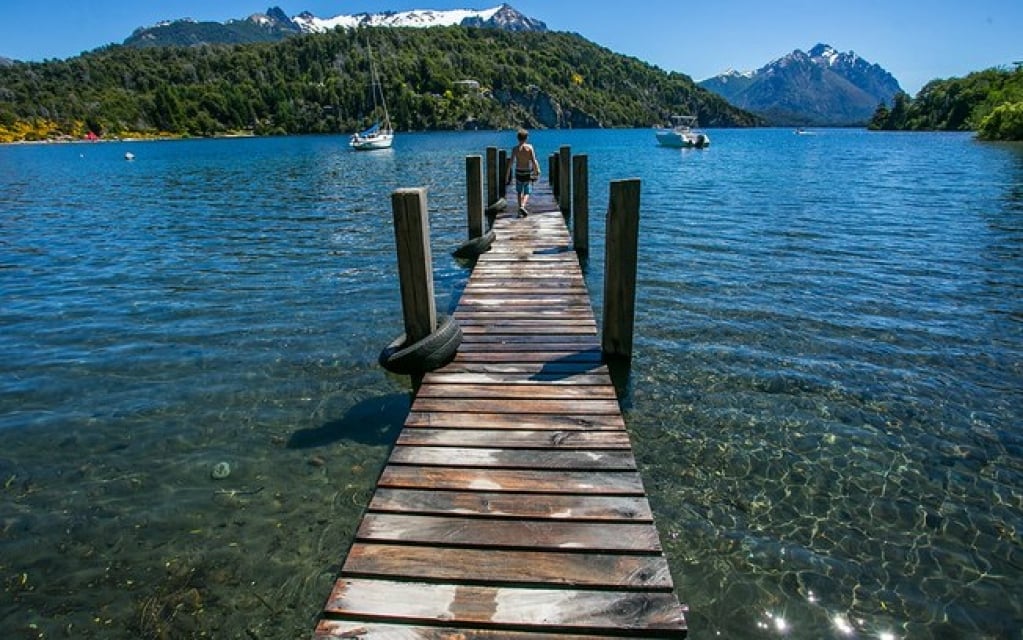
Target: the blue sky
pixel 916 41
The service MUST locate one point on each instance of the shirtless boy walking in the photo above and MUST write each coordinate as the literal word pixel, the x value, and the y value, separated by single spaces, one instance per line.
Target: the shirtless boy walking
pixel 527 170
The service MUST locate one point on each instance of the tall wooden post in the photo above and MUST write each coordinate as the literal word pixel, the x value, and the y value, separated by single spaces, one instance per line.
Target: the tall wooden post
pixel 474 194
pixel 491 175
pixel 415 262
pixel 581 203
pixel 620 262
pixel 552 174
pixel 502 171
pixel 565 180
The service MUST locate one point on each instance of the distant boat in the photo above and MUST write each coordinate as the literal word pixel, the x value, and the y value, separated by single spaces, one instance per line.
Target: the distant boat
pixel 800 131
pixel 381 134
pixel 682 134
pixel 129 156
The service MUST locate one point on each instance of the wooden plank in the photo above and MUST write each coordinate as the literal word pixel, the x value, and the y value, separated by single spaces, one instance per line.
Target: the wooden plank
pixel 618 483
pixel 508 567
pixel 491 420
pixel 534 391
pixel 519 378
pixel 523 405
pixel 557 369
pixel 513 505
pixel 502 282
pixel 574 611
pixel 493 458
pixel 517 439
pixel 367 630
pixel 530 339
pixel 552 535
pixel 528 326
pixel 526 356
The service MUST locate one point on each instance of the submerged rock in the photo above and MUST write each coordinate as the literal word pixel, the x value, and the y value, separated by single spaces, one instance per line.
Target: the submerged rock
pixel 220 471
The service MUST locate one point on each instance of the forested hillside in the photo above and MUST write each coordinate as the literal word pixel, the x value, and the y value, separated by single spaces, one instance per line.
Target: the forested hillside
pixel 989 102
pixel 320 84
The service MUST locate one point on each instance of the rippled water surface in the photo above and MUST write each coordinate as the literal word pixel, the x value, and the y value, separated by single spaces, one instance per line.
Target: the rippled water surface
pixel 825 397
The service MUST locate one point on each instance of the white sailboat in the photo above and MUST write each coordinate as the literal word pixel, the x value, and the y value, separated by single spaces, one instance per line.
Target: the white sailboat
pixel 381 134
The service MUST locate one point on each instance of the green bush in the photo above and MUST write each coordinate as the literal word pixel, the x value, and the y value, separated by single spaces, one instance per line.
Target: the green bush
pixel 1004 123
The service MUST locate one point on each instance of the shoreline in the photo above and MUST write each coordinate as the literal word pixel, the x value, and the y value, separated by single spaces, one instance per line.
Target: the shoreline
pixel 141 138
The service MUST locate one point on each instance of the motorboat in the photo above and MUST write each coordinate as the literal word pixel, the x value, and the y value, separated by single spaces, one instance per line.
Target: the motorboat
pixel 682 134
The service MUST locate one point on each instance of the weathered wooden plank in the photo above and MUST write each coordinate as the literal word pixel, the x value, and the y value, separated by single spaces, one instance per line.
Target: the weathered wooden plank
pixel 525 357
pixel 553 506
pixel 582 327
pixel 523 405
pixel 501 282
pixel 491 420
pixel 573 611
pixel 517 439
pixel 618 483
pixel 516 345
pixel 364 630
pixel 508 567
pixel 532 339
pixel 520 378
pixel 578 313
pixel 526 301
pixel 558 370
pixel 509 533
pixel 535 391
pixel 493 458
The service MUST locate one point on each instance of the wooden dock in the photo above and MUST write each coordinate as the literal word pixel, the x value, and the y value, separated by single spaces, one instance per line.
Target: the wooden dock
pixel 511 506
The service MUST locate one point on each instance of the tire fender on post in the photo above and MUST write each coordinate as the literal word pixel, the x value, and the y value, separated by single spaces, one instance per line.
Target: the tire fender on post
pixel 432 352
pixel 476 246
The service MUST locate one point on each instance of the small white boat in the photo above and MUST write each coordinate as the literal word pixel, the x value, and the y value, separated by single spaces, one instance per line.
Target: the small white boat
pixel 381 134
pixel 682 134
pixel 129 156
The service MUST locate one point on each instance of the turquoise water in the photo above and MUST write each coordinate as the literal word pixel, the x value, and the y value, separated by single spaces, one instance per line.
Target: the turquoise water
pixel 825 397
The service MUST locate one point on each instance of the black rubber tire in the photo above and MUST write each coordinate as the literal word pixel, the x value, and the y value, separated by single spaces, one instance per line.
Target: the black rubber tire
pixel 500 205
pixel 432 352
pixel 476 246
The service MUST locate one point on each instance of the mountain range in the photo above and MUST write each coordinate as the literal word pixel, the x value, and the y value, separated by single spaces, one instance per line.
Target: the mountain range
pixel 822 87
pixel 275 25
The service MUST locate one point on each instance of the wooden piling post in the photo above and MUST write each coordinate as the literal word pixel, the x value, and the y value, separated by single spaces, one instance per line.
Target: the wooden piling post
pixel 492 178
pixel 581 204
pixel 552 174
pixel 620 262
pixel 565 179
pixel 502 171
pixel 415 262
pixel 474 194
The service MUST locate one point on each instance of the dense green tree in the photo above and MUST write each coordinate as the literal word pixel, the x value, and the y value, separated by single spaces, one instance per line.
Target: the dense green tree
pixel 1004 123
pixel 320 83
pixel 959 104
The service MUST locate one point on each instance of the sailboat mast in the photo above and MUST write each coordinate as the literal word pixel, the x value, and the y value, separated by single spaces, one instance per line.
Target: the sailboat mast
pixel 377 90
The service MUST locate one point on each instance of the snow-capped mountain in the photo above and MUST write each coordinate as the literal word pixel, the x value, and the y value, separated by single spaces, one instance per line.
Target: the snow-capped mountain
pixel 275 25
pixel 822 87
pixel 501 17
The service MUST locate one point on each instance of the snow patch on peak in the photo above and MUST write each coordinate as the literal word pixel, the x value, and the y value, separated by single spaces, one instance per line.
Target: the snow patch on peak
pixel 734 73
pixel 413 18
